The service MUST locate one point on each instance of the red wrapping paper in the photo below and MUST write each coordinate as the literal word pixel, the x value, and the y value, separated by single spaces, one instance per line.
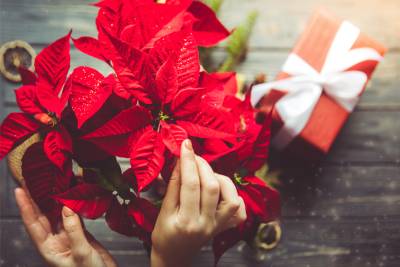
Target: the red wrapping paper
pixel 328 117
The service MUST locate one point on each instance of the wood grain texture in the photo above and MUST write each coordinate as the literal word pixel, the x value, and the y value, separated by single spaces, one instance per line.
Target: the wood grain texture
pixel 345 212
pixel 279 24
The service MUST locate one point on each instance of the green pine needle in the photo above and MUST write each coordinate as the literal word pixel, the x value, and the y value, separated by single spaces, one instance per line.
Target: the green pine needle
pixel 206 52
pixel 238 42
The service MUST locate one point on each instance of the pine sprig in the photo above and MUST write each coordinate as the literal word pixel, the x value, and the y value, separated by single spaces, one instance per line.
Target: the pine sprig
pixel 238 43
pixel 206 52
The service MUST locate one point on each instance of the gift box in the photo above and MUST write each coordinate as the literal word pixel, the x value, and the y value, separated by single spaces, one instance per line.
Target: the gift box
pixel 319 85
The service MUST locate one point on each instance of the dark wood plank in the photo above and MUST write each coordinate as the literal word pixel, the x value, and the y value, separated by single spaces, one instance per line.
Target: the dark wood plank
pixel 307 242
pixel 344 214
pixel 281 22
pixel 368 136
pixel 273 28
pixel 17 249
pixel 57 17
pixel 332 192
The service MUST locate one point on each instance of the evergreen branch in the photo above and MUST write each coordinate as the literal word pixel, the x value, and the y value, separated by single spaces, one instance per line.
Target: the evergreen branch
pixel 206 52
pixel 238 43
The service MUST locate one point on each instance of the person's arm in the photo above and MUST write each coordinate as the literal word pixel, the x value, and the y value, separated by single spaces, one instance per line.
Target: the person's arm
pixel 70 247
pixel 198 204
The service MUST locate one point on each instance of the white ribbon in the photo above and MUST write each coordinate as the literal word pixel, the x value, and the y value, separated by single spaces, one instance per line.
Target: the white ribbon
pixel 306 84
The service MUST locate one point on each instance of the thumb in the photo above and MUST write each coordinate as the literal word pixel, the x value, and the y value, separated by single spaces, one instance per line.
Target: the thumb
pixel 80 247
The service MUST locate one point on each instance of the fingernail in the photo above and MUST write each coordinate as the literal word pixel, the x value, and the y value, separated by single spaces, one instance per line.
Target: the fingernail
pixel 67 212
pixel 188 145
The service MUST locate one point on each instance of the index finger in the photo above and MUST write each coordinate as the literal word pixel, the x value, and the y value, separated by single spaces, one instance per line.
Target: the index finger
pixel 190 181
pixel 171 198
pixel 230 200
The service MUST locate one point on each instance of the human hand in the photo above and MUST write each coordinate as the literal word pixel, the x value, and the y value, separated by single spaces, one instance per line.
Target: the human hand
pixel 70 247
pixel 198 204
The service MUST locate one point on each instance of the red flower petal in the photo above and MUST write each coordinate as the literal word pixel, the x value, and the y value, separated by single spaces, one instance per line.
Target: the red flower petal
pixel 44 180
pixel 187 102
pixel 27 76
pixel 176 24
pixel 118 220
pixel 133 34
pixel 167 83
pixel 225 79
pixel 88 93
pixel 207 29
pixel 118 145
pixel 65 95
pixel 121 91
pixel 215 146
pixel 90 46
pixel 115 136
pixel 188 64
pixel 88 200
pixel 204 132
pixel 52 64
pixel 107 21
pixel 217 119
pixel 15 128
pixel 173 136
pixel 259 154
pixel 214 91
pixel 27 100
pixel 220 153
pixel 147 157
pixel 130 65
pixel 127 121
pixel 183 47
pixel 260 199
pixel 48 99
pixel 133 86
pixel 144 213
pixel 152 25
pixel 56 144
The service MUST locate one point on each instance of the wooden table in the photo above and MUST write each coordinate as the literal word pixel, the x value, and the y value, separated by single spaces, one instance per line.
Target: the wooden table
pixel 344 213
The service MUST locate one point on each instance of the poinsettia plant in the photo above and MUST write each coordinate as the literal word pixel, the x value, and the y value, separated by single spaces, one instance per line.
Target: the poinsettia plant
pixel 156 97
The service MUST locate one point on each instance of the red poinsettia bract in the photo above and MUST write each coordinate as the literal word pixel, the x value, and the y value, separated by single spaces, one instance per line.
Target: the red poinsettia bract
pixel 262 201
pixel 171 105
pixel 125 212
pixel 142 23
pixel 42 101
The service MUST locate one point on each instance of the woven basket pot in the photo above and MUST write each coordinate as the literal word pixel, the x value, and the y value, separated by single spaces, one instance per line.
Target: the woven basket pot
pixel 14 158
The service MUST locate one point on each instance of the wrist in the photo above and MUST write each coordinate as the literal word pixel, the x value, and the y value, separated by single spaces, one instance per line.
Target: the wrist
pixel 160 260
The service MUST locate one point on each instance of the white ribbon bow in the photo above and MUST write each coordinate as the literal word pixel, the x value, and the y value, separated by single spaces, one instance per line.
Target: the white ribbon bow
pixel 306 84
